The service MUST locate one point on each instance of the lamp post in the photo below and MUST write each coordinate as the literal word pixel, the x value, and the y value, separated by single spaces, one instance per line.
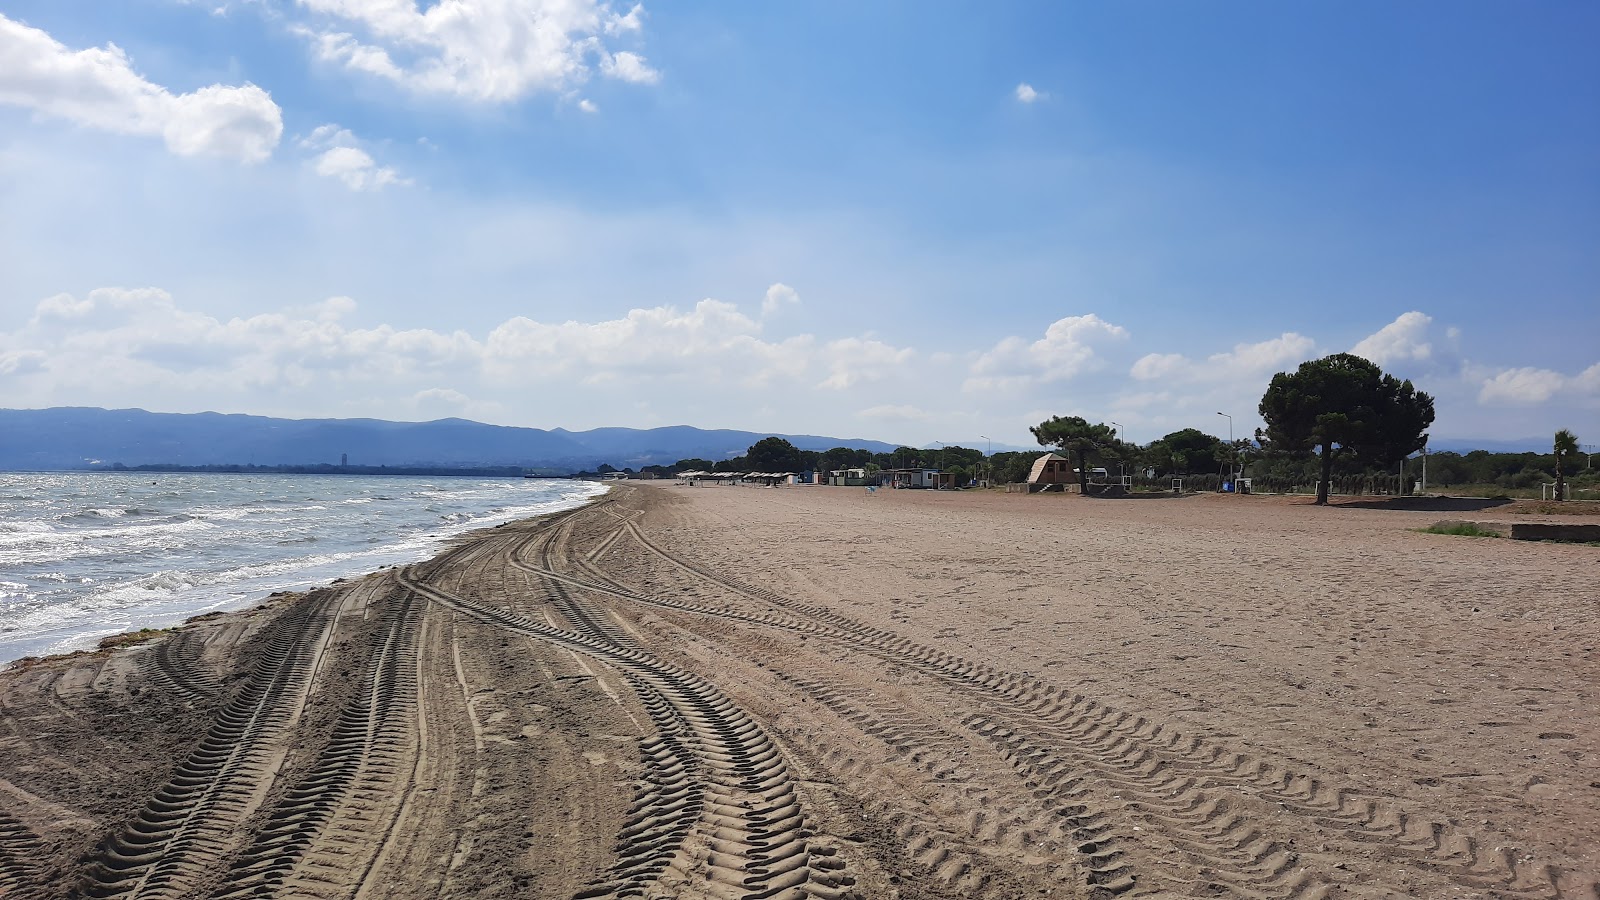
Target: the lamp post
pixel 1231 449
pixel 1122 465
pixel 988 462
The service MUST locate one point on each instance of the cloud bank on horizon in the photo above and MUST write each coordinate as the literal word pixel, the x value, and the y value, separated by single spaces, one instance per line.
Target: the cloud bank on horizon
pixel 576 213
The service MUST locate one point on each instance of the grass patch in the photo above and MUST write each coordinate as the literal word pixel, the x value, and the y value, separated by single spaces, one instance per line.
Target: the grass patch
pixel 1460 529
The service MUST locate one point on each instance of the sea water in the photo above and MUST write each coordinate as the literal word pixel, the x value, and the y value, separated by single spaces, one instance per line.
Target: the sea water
pixel 88 555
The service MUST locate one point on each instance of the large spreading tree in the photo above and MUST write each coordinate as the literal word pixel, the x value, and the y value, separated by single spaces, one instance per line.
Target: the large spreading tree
pixel 1075 435
pixel 773 454
pixel 1343 405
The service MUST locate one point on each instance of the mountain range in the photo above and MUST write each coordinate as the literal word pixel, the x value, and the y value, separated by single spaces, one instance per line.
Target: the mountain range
pixel 86 437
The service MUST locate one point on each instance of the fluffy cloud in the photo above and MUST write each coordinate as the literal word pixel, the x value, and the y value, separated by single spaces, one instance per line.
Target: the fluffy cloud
pixel 338 154
pixel 1066 350
pixel 1243 361
pixel 853 361
pixel 1403 339
pixel 778 296
pixel 895 413
pixel 99 88
pixel 1529 386
pixel 21 362
pixel 708 345
pixel 1026 93
pixel 629 67
pixel 493 51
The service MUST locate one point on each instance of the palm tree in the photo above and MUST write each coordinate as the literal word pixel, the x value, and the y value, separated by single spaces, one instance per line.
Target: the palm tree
pixel 1566 445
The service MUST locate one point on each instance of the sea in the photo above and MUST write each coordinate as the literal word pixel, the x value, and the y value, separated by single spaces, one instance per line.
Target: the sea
pixel 87 555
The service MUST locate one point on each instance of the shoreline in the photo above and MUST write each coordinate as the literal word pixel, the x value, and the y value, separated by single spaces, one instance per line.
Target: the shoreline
pixel 927 692
pixel 205 580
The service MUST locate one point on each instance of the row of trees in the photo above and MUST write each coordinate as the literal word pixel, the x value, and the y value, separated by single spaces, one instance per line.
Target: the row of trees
pixel 1337 407
pixel 1339 416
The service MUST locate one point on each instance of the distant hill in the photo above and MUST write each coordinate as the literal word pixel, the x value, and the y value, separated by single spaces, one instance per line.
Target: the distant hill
pixel 1467 445
pixel 83 437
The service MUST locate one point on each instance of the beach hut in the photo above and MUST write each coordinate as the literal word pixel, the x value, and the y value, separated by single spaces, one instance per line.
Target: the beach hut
pixel 1052 468
pixel 917 478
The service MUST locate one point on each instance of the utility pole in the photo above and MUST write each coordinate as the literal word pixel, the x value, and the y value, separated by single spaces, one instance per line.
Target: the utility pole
pixel 1232 450
pixel 1122 465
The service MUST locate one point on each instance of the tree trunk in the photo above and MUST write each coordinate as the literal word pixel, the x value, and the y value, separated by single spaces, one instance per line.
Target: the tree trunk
pixel 1083 473
pixel 1327 475
pixel 1561 481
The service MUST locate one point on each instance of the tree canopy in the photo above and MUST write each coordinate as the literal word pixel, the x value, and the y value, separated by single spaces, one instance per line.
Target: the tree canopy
pixel 1183 451
pixel 1343 404
pixel 1566 446
pixel 773 454
pixel 1075 435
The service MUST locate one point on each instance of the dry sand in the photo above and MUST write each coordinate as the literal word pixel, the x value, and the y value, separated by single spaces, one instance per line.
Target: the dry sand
pixel 819 692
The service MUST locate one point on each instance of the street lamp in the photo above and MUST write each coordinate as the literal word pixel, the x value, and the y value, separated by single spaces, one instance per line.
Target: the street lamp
pixel 1231 449
pixel 1122 466
pixel 988 461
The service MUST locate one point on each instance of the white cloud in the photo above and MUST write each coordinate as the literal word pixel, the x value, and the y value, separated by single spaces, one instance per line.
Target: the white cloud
pixel 711 344
pixel 493 51
pixel 21 362
pixel 629 67
pixel 632 22
pixel 1403 339
pixel 99 88
pixel 62 306
pixel 338 154
pixel 1026 93
pixel 1243 361
pixel 778 296
pixel 588 106
pixel 895 413
pixel 1066 350
pixel 1529 386
pixel 853 361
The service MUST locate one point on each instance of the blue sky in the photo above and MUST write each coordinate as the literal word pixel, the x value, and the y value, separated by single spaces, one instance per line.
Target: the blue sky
pixel 887 220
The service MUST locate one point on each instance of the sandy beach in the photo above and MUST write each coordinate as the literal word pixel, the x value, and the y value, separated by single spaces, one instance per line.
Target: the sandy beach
pixel 797 692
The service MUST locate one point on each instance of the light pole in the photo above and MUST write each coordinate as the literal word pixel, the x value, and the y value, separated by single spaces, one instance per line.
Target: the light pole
pixel 988 461
pixel 1231 448
pixel 1122 466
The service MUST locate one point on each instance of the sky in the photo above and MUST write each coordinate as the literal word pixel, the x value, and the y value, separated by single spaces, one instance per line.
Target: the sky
pixel 899 221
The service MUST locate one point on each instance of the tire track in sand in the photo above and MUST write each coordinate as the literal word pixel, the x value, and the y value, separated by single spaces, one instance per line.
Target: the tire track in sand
pixel 1180 778
pixel 319 839
pixel 751 841
pixel 191 824
pixel 19 847
pixel 670 796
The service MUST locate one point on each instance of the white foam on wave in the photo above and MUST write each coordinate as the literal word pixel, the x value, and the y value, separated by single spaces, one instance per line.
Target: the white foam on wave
pixel 222 557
